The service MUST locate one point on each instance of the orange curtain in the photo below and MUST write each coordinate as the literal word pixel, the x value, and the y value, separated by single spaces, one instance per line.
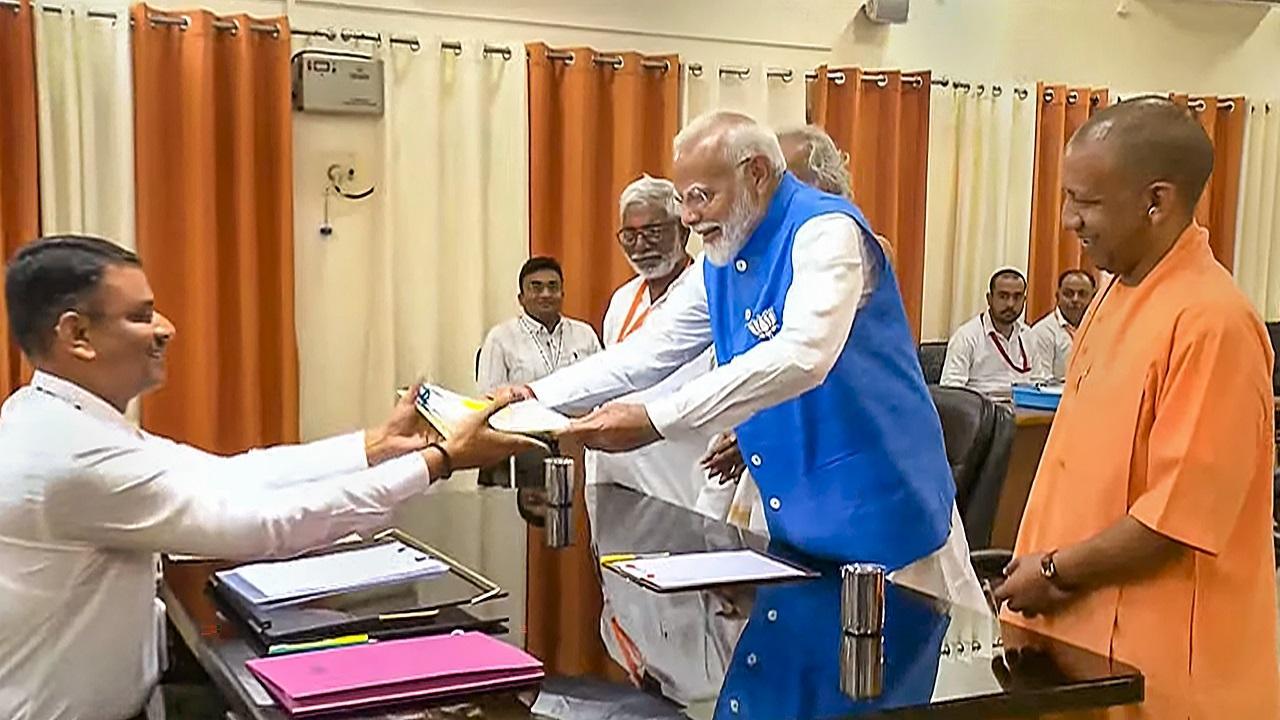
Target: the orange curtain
pixel 1054 250
pixel 1224 120
pixel 215 223
pixel 19 174
pixel 596 122
pixel 881 119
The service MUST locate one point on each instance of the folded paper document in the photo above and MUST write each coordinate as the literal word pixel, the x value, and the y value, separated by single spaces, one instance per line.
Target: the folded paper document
pixel 444 409
pixel 395 671
pixel 301 579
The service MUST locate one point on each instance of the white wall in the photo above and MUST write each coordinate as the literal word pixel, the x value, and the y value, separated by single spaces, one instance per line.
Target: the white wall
pixel 1197 46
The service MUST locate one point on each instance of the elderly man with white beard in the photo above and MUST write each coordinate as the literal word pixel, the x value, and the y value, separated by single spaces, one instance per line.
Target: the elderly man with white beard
pixel 654 242
pixel 817 369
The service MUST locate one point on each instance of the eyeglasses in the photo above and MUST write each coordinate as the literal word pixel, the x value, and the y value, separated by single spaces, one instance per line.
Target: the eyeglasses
pixel 699 197
pixel 652 233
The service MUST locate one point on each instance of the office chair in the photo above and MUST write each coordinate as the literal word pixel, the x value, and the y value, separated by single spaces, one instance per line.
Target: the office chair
pixel 978 434
pixel 932 356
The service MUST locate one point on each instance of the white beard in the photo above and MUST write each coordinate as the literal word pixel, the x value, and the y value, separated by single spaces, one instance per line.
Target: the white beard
pixel 662 269
pixel 734 232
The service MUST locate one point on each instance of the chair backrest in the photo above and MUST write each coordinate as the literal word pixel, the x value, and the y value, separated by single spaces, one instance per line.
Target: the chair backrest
pixel 932 356
pixel 978 434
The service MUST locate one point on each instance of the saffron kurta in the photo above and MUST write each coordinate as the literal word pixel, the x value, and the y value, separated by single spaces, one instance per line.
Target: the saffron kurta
pixel 1168 417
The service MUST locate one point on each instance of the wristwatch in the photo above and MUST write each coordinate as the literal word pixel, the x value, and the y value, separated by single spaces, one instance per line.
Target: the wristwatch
pixel 1049 569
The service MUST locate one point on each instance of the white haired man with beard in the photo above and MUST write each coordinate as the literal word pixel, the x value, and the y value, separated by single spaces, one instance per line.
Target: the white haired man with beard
pixel 817 369
pixel 654 242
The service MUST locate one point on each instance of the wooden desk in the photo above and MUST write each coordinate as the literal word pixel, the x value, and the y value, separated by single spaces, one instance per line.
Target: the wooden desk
pixel 1024 458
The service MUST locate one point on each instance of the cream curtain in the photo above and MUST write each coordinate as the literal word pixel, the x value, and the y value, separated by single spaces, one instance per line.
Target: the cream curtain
pixel 85 94
pixel 411 278
pixel 981 162
pixel 778 102
pixel 1257 263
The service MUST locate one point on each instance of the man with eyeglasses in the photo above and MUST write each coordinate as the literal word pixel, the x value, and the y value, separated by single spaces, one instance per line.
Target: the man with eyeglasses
pixel 654 242
pixel 817 368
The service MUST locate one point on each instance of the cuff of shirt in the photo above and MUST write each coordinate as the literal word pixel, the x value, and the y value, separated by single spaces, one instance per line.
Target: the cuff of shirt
pixel 665 415
pixel 554 390
pixel 404 476
pixel 346 453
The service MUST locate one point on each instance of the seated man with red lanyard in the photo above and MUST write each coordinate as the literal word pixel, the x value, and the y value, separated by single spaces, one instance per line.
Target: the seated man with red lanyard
pixel 989 353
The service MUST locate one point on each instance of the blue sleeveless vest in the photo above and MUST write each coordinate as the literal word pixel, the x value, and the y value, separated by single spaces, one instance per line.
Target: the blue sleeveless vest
pixel 855 469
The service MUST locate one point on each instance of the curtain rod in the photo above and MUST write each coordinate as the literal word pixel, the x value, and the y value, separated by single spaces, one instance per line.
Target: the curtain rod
pixel 232 25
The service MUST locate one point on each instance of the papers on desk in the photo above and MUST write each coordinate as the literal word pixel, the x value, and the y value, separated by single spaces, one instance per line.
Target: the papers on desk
pixel 689 571
pixel 306 578
pixel 444 409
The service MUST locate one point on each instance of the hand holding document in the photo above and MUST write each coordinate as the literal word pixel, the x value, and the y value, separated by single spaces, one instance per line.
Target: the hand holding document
pixel 445 410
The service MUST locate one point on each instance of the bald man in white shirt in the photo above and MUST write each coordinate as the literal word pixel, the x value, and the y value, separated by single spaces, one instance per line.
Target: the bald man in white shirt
pixel 87 500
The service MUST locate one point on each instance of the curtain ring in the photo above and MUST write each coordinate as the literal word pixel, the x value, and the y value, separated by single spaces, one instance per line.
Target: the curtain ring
pixel 981 89
pixel 883 81
pixel 1021 93
pixel 414 45
pixel 235 27
pixel 572 58
pixel 666 66
pixel 695 69
pixel 996 91
pixel 787 76
pixel 837 77
pixel 1048 95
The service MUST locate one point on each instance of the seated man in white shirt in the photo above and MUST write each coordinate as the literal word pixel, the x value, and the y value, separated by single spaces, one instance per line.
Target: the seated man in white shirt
pixel 990 352
pixel 1050 338
pixel 534 344
pixel 654 241
pixel 87 500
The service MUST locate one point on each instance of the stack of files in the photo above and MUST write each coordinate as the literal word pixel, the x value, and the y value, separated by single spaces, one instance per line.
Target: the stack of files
pixel 396 671
pixel 294 581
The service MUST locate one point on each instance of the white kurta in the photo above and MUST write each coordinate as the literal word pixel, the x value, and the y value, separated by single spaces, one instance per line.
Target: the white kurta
pixel 829 282
pixel 87 501
pixel 667 469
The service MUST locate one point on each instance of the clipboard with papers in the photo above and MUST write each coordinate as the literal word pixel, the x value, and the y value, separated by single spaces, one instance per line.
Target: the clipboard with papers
pixel 684 572
pixel 379 587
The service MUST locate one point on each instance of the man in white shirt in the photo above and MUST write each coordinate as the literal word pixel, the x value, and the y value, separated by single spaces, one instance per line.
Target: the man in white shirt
pixel 540 340
pixel 991 351
pixel 535 343
pixel 654 242
pixel 814 350
pixel 1051 338
pixel 87 500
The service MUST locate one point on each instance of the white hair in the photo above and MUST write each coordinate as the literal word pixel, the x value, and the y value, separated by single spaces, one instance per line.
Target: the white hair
pixel 650 192
pixel 829 165
pixel 739 136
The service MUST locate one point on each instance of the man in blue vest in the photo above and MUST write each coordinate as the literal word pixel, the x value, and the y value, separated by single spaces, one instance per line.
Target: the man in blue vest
pixel 817 368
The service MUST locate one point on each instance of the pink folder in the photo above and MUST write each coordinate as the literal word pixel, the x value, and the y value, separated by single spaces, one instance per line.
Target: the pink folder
pixel 394 671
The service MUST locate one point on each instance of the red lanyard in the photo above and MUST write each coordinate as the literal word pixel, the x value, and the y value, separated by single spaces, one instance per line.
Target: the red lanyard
pixel 627 327
pixel 1025 367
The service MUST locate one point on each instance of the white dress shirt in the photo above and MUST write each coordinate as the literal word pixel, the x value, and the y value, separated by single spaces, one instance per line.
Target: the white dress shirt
pixel 522 350
pixel 829 283
pixel 87 501
pixel 1050 344
pixel 982 359
pixel 667 469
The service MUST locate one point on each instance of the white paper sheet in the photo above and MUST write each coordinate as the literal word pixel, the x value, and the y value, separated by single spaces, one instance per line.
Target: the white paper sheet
pixel 307 577
pixel 720 567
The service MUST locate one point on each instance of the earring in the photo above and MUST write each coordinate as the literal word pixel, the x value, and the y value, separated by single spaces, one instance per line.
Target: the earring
pixel 1151 211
